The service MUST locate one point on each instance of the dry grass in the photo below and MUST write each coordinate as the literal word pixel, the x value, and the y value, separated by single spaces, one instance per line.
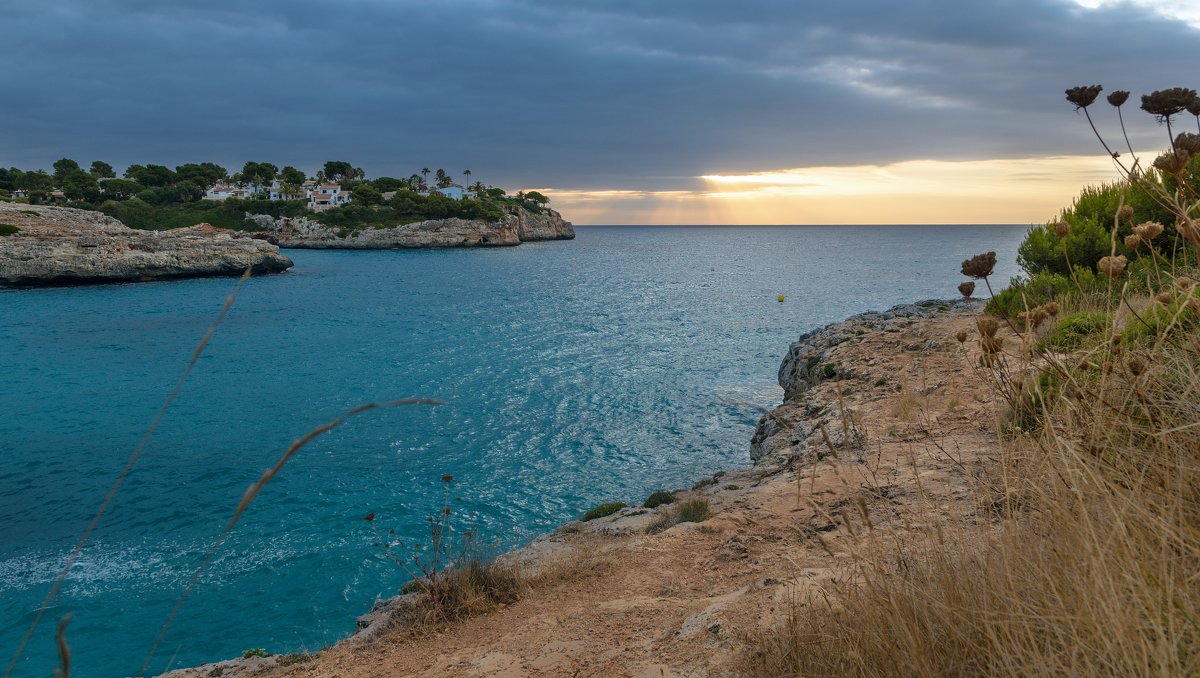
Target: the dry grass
pixel 1087 557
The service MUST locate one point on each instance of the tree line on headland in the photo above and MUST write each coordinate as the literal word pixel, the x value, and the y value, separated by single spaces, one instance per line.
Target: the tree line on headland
pixel 157 197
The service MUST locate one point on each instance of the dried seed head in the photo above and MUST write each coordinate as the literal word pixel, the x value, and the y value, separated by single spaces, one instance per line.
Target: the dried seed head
pixel 1165 298
pixel 1061 228
pixel 961 336
pixel 447 479
pixel 991 345
pixel 980 265
pixel 1148 230
pixel 1084 95
pixel 987 325
pixel 1113 266
pixel 1188 142
pixel 1034 317
pixel 370 517
pixel 1118 97
pixel 1052 308
pixel 1132 241
pixel 1165 103
pixel 1126 212
pixel 1193 107
pixel 1189 230
pixel 1116 339
pixel 1184 283
pixel 1173 162
pixel 1193 305
pixel 1135 365
pixel 966 289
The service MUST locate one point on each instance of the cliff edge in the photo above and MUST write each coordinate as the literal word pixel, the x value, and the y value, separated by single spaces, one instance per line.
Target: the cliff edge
pixel 518 225
pixel 46 246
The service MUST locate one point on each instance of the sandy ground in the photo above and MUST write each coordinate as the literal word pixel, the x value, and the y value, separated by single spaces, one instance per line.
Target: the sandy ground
pixel 920 421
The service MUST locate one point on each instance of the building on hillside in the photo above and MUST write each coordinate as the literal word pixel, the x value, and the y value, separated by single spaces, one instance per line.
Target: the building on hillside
pixel 323 197
pixel 20 193
pixel 224 191
pixel 388 195
pixel 55 196
pixel 455 192
pixel 280 191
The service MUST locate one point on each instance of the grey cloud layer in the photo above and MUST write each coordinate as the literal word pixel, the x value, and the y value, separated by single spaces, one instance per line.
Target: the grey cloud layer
pixel 604 94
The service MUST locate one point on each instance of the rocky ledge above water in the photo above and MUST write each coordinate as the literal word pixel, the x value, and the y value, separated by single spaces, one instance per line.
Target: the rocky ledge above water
pixel 65 246
pixel 519 225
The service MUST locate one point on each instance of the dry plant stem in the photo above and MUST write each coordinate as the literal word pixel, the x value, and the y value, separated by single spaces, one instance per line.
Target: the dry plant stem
pixel 1128 145
pixel 64 650
pixel 116 486
pixel 253 491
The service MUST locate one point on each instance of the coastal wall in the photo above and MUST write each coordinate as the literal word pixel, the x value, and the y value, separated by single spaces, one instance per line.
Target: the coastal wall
pixel 519 225
pixel 65 246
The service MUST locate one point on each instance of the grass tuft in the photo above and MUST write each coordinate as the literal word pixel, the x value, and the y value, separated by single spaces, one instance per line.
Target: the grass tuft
pixel 606 509
pixel 659 498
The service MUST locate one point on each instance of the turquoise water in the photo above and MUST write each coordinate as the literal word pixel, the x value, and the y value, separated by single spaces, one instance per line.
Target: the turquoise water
pixel 603 368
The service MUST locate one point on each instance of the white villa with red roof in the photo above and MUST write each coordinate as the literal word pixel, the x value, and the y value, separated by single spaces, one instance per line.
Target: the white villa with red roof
pixel 323 197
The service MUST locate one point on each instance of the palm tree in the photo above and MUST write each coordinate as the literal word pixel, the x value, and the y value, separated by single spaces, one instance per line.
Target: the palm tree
pixel 478 189
pixel 467 176
pixel 425 174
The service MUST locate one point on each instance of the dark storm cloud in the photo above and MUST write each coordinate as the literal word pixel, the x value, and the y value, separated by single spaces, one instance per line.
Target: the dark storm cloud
pixel 604 94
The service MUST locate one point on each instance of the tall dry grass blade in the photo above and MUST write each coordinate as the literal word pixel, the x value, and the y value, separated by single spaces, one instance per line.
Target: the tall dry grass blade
pixel 64 650
pixel 253 491
pixel 116 486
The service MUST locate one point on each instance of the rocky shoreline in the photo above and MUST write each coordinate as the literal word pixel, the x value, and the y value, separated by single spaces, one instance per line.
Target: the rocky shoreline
pixel 845 384
pixel 56 246
pixel 519 225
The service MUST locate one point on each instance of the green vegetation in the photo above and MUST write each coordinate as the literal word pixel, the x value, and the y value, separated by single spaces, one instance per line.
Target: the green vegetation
pixel 156 197
pixel 9 229
pixel 1074 330
pixel 256 652
pixel 691 511
pixel 1158 321
pixel 659 498
pixel 413 586
pixel 606 509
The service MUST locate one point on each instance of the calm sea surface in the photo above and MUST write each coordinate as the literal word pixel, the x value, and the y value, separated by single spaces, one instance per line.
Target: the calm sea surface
pixel 627 360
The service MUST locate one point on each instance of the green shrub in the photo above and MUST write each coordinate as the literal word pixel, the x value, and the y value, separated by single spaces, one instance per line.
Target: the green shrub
pixel 659 498
pixel 691 511
pixel 1155 320
pixel 1073 330
pixel 413 586
pixel 1030 407
pixel 829 371
pixel 606 509
pixel 9 229
pixel 257 652
pixel 1023 294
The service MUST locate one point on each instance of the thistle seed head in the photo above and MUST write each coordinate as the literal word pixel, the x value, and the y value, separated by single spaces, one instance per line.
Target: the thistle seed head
pixel 1113 266
pixel 1148 230
pixel 1132 241
pixel 1188 142
pixel 1165 103
pixel 1126 212
pixel 966 288
pixel 1173 162
pixel 961 336
pixel 980 265
pixel 1084 95
pixel 987 325
pixel 1052 309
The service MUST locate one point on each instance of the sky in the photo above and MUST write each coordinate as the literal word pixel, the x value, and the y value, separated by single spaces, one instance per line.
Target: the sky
pixel 621 111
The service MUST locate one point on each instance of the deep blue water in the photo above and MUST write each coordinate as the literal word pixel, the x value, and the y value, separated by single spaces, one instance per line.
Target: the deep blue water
pixel 627 360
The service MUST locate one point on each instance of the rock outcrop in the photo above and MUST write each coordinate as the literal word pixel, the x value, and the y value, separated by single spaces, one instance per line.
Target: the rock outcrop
pixel 814 358
pixel 65 246
pixel 518 225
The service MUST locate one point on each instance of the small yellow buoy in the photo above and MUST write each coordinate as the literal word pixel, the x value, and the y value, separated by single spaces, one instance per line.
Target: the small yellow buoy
pixel 781 298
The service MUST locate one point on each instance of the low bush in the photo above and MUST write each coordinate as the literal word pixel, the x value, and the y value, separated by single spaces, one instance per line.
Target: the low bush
pixel 1073 330
pixel 606 509
pixel 659 498
pixel 691 511
pixel 9 229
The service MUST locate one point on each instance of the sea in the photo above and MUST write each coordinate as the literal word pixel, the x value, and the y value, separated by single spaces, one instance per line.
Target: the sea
pixel 628 360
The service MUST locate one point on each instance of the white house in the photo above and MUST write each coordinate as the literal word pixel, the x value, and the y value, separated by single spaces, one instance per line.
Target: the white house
pixel 277 192
pixel 323 197
pixel 20 193
pixel 224 191
pixel 456 192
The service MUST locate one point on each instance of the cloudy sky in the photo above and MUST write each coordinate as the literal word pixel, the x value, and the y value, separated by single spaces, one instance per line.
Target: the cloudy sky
pixel 623 111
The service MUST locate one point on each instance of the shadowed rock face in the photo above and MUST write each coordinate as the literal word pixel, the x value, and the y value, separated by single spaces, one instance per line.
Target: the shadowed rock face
pixel 64 246
pixel 519 225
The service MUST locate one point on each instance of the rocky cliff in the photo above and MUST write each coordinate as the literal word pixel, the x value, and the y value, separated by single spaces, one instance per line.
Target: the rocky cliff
pixel 519 225
pixel 64 246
